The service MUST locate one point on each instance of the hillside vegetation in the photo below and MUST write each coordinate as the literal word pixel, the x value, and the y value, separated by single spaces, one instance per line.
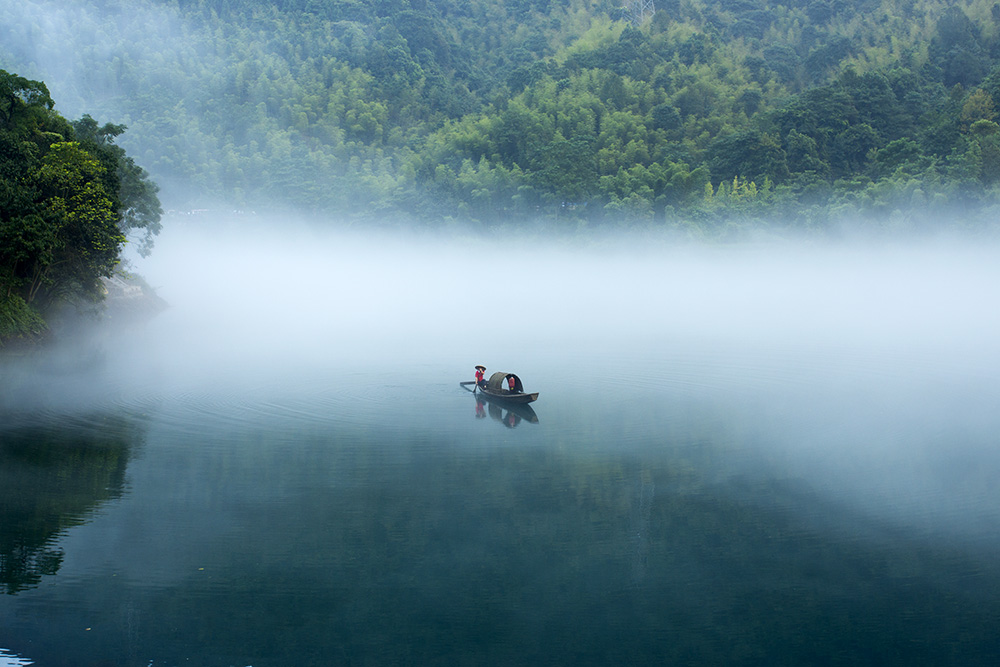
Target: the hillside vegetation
pixel 69 197
pixel 709 114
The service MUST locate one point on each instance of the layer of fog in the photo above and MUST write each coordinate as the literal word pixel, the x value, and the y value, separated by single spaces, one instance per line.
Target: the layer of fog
pixel 296 295
pixel 870 366
pixel 867 370
pixel 863 373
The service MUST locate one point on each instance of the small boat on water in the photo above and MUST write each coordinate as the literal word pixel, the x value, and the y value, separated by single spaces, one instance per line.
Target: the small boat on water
pixel 498 388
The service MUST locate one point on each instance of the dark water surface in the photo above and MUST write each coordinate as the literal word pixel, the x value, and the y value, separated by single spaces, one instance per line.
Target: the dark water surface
pixel 700 514
pixel 682 500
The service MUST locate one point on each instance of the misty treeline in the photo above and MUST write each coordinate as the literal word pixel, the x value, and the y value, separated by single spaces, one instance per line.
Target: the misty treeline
pixel 68 197
pixel 709 113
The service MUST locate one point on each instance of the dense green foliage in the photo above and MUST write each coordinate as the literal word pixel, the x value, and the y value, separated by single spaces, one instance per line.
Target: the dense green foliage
pixel 68 196
pixel 18 320
pixel 503 110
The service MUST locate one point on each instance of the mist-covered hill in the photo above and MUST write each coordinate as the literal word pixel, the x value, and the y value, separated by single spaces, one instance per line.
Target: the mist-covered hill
pixel 708 114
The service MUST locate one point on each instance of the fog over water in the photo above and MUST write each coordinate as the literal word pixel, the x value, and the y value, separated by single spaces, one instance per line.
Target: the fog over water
pixel 849 350
pixel 845 341
pixel 298 411
pixel 291 287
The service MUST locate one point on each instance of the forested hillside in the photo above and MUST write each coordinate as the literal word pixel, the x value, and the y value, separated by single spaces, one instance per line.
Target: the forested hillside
pixel 709 114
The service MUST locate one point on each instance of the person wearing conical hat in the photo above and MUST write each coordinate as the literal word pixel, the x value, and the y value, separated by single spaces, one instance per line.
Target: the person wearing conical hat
pixel 481 377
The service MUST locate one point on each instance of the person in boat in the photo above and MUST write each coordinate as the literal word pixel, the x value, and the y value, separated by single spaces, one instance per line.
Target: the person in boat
pixel 510 383
pixel 481 377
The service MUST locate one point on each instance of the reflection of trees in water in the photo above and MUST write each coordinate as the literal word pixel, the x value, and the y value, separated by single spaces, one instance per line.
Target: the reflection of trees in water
pixel 51 478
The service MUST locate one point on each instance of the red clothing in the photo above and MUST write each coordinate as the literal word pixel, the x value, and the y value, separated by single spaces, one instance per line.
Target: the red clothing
pixel 479 375
pixel 510 383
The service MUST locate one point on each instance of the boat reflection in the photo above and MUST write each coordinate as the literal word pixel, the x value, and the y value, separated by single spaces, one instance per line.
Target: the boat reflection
pixel 508 414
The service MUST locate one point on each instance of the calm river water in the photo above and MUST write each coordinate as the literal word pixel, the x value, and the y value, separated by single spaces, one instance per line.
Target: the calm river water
pixel 754 487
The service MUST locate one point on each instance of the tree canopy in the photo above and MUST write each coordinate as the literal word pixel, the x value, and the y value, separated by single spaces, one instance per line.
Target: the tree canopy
pixel 68 198
pixel 504 111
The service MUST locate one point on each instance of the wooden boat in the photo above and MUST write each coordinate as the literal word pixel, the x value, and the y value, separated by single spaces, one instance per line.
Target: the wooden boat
pixel 496 389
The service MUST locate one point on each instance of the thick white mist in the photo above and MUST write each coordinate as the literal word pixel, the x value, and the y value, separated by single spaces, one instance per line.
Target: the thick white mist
pixel 254 293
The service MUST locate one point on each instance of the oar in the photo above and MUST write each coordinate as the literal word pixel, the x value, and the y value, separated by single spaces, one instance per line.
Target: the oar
pixel 465 385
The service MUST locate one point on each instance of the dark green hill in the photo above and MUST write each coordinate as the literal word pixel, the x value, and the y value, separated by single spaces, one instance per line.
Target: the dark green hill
pixel 500 111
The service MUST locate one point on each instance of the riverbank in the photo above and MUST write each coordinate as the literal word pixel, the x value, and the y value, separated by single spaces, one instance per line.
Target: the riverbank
pixel 128 299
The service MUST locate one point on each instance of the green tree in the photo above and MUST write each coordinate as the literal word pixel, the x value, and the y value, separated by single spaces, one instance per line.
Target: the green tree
pixel 68 195
pixel 957 50
pixel 853 145
pixel 751 155
pixel 803 154
pixel 22 100
pixel 978 106
pixel 86 240
pixel 567 169
pixel 986 134
pixel 138 203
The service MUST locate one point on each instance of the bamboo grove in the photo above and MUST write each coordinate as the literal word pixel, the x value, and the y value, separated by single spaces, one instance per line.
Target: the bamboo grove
pixel 511 112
